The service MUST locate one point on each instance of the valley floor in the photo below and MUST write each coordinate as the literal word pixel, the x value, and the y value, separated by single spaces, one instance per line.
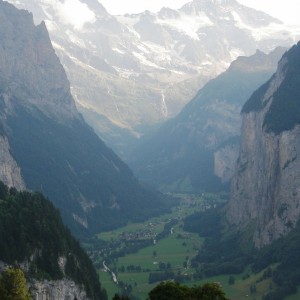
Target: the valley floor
pixel 140 255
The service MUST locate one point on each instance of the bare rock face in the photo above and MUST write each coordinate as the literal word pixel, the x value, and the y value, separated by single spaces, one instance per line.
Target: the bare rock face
pixel 58 290
pixel 224 161
pixel 40 78
pixel 10 172
pixel 266 185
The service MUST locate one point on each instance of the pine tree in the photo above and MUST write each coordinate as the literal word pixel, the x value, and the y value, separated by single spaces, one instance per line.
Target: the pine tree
pixel 13 285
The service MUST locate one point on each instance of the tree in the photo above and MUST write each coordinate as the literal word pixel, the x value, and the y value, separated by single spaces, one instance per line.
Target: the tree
pixel 118 297
pixel 169 290
pixel 209 291
pixel 13 285
pixel 173 290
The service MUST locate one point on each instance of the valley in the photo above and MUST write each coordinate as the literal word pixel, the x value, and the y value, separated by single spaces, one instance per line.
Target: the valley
pixel 167 143
pixel 142 254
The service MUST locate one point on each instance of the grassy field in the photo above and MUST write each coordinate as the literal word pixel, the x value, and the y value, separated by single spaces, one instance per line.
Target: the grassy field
pixel 174 250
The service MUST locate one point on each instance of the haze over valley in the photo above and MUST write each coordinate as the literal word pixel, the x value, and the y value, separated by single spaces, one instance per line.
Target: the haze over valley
pixel 148 155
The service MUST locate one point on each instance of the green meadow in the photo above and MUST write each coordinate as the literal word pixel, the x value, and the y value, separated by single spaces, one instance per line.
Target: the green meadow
pixel 172 253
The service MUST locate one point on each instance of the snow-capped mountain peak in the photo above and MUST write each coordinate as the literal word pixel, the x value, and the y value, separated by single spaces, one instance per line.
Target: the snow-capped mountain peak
pixel 120 66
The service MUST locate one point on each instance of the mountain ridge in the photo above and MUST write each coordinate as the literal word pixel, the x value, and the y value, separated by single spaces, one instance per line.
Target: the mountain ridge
pixel 55 150
pixel 139 70
pixel 196 150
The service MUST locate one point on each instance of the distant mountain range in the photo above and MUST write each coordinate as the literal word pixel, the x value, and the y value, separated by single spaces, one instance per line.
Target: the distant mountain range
pixel 130 72
pixel 46 144
pixel 196 151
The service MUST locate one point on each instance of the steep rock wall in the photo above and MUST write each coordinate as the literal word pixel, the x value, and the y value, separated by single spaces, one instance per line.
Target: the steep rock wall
pixel 10 172
pixel 266 185
pixel 56 290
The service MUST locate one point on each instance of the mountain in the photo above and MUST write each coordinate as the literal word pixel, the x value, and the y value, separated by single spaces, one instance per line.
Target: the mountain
pixel 48 146
pixel 258 228
pixel 130 72
pixel 196 151
pixel 265 189
pixel 33 236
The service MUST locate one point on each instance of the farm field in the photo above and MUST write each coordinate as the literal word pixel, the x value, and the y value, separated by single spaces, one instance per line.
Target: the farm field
pixel 172 252
pixel 160 249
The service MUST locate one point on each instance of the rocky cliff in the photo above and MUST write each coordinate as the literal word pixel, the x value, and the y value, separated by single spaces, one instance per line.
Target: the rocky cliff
pixel 265 189
pixel 30 71
pixel 58 290
pixel 10 173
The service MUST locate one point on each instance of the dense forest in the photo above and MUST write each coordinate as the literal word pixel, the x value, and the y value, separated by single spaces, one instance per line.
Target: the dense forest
pixel 31 230
pixel 170 290
pixel 67 163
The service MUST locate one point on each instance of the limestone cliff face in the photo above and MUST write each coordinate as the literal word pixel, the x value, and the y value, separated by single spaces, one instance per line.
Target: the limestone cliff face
pixel 266 185
pixel 58 290
pixel 224 161
pixel 10 172
pixel 29 67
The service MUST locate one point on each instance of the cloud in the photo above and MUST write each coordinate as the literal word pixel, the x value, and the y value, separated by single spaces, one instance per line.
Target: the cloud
pixel 75 13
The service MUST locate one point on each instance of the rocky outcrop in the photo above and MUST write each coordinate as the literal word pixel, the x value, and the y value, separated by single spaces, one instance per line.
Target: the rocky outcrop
pixel 266 185
pixel 10 172
pixel 224 161
pixel 56 290
pixel 30 70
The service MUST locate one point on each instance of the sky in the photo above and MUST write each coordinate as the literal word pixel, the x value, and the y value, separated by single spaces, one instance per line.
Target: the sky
pixel 286 10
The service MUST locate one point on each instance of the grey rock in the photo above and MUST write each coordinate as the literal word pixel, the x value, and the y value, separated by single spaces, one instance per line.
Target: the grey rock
pixel 10 173
pixel 265 188
pixel 56 290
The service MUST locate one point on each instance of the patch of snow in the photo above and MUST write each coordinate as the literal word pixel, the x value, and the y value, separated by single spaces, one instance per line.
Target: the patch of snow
pixel 57 46
pixel 188 24
pixel 118 50
pixel 51 26
pixel 157 52
pixel 178 72
pixel 129 22
pixel 271 30
pixel 234 53
pixel 164 109
pixel 75 39
pixel 143 60
pixel 124 73
pixel 206 63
